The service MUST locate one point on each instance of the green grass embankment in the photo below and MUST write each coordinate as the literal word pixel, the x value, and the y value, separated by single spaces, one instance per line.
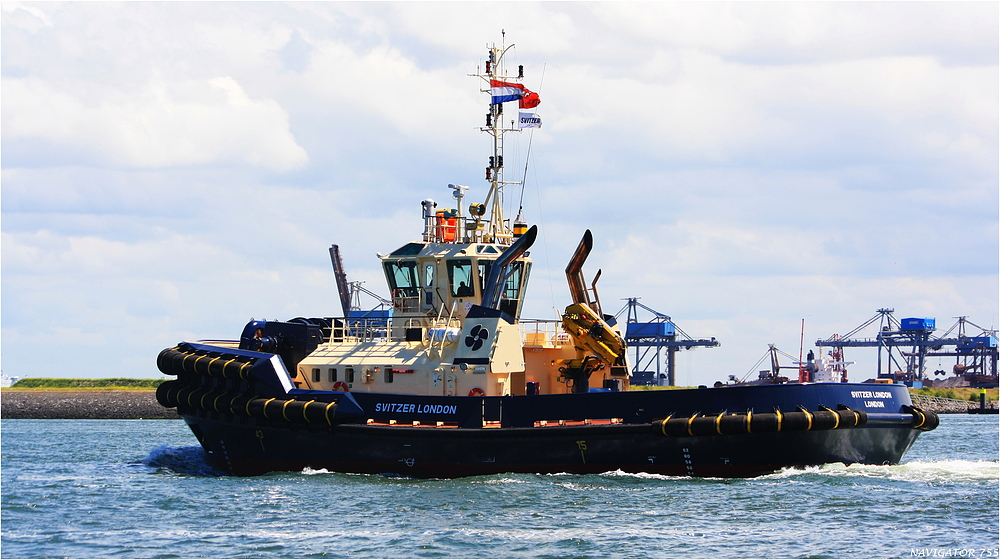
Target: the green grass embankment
pixel 654 388
pixel 65 384
pixel 960 393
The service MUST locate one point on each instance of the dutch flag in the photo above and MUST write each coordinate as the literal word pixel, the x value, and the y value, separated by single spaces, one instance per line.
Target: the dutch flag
pixel 507 91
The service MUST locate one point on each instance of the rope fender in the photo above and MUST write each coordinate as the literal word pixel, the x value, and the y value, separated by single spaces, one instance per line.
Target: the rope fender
pixel 183 361
pixel 923 420
pixel 173 394
pixel 760 422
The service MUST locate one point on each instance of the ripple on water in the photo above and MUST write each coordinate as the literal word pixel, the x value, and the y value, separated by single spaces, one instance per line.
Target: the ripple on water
pixel 139 498
pixel 180 460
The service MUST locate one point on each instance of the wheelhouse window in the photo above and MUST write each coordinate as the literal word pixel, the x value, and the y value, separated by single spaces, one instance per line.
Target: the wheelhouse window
pixel 402 277
pixel 484 273
pixel 429 284
pixel 408 250
pixel 460 278
pixel 513 286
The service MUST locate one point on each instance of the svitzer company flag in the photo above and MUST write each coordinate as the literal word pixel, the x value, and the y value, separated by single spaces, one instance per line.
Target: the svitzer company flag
pixel 529 120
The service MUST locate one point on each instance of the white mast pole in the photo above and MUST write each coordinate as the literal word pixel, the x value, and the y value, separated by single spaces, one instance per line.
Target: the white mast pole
pixel 496 230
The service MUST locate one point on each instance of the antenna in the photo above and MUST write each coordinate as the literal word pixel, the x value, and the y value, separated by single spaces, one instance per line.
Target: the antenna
pixel 459 194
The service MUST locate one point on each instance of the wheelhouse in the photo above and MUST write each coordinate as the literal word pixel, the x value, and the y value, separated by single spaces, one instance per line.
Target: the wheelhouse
pixel 434 278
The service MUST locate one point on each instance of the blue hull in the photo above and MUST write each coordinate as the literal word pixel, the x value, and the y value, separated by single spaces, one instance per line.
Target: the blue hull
pixel 251 422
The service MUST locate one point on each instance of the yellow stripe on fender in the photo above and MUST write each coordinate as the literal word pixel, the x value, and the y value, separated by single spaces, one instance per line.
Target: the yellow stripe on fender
pixel 264 408
pixel 304 408
pixel 215 403
pixel 208 368
pixel 225 366
pixel 663 424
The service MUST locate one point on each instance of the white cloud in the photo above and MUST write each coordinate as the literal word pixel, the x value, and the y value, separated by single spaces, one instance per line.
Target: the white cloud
pixel 813 31
pixel 742 165
pixel 384 82
pixel 29 18
pixel 699 107
pixel 167 124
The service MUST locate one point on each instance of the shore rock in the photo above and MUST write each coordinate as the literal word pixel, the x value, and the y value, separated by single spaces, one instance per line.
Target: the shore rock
pixel 940 405
pixel 115 405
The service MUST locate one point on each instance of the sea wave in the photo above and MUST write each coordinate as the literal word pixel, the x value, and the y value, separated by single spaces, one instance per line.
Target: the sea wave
pixel 181 460
pixel 956 470
pixel 643 476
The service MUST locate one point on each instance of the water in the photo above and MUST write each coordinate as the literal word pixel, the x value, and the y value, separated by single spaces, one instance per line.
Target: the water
pixel 141 489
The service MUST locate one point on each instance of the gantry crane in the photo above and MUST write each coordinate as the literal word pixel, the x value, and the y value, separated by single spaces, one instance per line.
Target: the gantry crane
pixel 654 339
pixel 975 356
pixel 908 342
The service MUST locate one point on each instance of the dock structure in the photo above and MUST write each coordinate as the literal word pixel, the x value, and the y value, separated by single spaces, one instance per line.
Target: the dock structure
pixel 904 345
pixel 655 343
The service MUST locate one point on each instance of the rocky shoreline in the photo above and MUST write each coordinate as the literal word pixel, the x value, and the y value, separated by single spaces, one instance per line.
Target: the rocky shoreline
pixel 107 405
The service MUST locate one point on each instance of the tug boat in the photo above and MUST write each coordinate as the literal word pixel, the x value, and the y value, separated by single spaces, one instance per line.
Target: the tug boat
pixel 453 382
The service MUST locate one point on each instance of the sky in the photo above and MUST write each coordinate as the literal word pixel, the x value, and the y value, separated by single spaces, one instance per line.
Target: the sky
pixel 172 170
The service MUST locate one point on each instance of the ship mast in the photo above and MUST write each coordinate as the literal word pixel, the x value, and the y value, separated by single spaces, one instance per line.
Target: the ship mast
pixel 496 229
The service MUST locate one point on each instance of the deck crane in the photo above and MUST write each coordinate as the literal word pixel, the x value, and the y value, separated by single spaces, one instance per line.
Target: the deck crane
pixel 350 292
pixel 652 339
pixel 908 342
pixel 771 376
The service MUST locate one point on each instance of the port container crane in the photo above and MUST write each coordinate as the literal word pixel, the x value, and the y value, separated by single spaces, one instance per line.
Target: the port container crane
pixel 903 346
pixel 656 341
pixel 975 356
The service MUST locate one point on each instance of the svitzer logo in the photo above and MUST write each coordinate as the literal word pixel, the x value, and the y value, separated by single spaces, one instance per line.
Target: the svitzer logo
pixel 476 337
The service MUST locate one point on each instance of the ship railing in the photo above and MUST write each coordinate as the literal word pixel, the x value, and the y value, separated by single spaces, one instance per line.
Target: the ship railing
pixel 541 332
pixel 406 300
pixel 361 329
